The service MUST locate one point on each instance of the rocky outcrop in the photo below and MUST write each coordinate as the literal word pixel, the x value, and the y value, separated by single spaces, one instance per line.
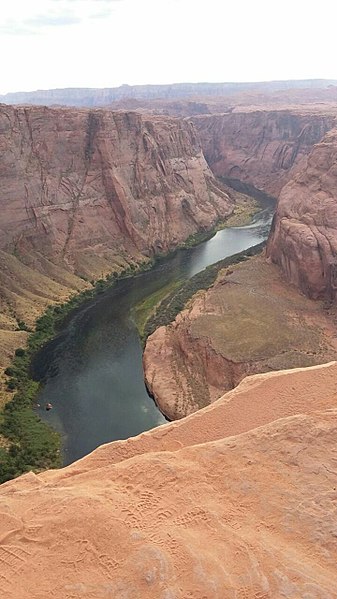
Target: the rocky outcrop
pixel 249 321
pixel 234 501
pixel 303 240
pixel 261 147
pixel 78 182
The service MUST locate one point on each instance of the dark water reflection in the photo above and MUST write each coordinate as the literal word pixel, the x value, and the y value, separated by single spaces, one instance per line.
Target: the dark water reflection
pixel 93 370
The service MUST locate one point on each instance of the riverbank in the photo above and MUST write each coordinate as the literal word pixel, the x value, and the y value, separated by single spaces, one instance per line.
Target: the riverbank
pixel 26 443
pixel 174 298
pixel 246 208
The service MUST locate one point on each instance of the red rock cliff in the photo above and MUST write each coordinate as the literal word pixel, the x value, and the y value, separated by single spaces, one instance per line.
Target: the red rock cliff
pixel 77 182
pixel 303 240
pixel 260 147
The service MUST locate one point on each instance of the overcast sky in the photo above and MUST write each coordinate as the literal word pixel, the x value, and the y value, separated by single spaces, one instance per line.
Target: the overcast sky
pixel 103 43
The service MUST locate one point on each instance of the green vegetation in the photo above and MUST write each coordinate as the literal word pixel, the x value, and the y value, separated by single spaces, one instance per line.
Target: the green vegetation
pixel 22 326
pixel 199 237
pixel 243 214
pixel 175 301
pixel 30 443
pixel 145 309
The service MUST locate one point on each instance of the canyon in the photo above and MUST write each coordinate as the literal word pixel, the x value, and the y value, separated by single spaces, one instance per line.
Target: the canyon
pixel 236 498
pixel 88 192
pixel 84 193
pixel 303 239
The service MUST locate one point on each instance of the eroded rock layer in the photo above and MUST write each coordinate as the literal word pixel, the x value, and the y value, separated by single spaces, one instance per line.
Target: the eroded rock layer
pixel 75 182
pixel 303 240
pixel 193 509
pixel 261 147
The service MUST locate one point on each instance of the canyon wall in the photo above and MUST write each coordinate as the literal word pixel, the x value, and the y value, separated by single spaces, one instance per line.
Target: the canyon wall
pixel 75 182
pixel 85 192
pixel 235 501
pixel 250 320
pixel 261 147
pixel 303 240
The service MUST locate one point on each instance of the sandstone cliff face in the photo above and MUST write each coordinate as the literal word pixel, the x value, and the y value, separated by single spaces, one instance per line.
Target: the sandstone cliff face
pixel 74 182
pixel 260 147
pixel 237 500
pixel 303 240
pixel 249 321
pixel 87 192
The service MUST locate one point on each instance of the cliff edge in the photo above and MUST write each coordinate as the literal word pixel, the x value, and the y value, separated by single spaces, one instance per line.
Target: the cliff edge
pixel 234 501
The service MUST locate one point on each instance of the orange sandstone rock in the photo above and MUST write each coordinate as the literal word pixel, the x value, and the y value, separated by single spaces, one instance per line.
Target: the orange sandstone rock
pixel 248 515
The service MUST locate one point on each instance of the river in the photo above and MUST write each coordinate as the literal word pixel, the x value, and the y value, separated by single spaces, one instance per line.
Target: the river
pixel 93 370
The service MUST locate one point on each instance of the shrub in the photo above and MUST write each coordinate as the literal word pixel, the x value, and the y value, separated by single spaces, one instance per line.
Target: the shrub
pixel 20 352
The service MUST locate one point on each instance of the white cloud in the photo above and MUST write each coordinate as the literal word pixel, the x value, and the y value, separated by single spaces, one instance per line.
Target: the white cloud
pixel 19 18
pixel 103 43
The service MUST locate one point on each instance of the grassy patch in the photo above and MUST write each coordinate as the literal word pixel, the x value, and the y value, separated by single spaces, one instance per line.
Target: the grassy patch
pixel 242 214
pixel 148 307
pixel 175 301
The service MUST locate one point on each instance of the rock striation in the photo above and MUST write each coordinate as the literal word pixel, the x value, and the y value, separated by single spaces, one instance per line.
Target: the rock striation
pixel 79 181
pixel 237 500
pixel 261 147
pixel 303 240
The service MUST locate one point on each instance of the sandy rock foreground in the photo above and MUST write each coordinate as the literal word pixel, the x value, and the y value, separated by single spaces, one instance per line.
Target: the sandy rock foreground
pixel 236 501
